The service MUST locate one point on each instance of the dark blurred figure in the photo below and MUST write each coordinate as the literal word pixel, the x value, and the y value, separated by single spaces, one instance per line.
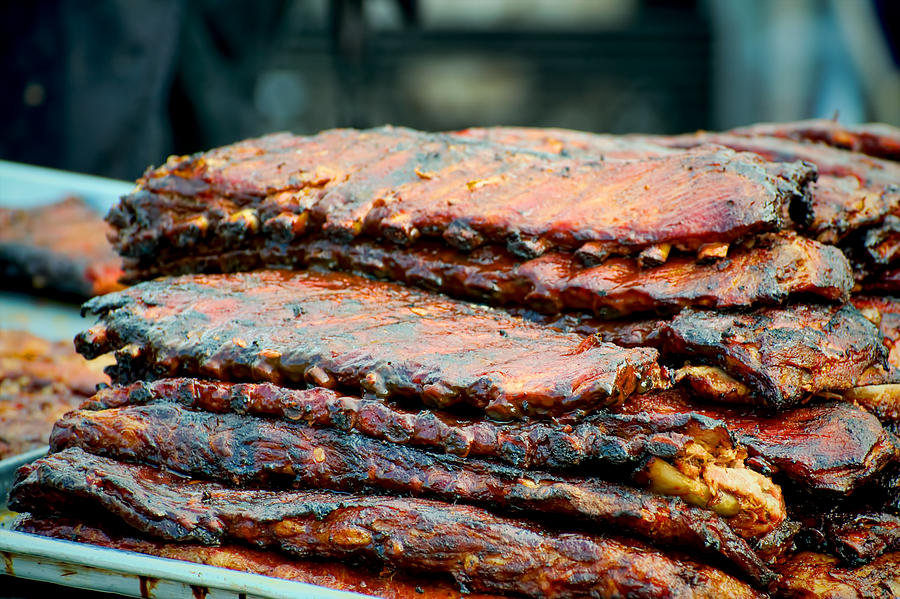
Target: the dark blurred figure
pixel 111 86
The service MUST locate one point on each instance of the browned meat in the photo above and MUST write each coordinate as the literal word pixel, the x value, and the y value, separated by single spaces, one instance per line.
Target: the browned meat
pixel 39 382
pixel 885 311
pixel 832 446
pixel 875 139
pixel 815 576
pixel 775 268
pixel 59 248
pixel 842 200
pixel 601 440
pixel 781 355
pixel 330 574
pixel 480 550
pixel 885 281
pixel 244 450
pixel 349 332
pixel 860 538
pixel 403 184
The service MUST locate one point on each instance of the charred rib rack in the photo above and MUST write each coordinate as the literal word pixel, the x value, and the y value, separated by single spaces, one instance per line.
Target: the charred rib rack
pixel 779 356
pixel 774 268
pixel 401 184
pixel 600 440
pixel 343 331
pixel 331 574
pixel 482 551
pixel 875 139
pixel 60 248
pixel 241 450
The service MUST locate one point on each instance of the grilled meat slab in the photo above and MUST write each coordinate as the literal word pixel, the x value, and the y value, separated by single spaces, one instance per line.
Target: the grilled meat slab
pixel 344 331
pixel 480 550
pixel 782 355
pixel 823 447
pixel 600 440
pixel 403 185
pixel 244 450
pixel 875 139
pixel 776 267
pixel 60 248
pixel 330 574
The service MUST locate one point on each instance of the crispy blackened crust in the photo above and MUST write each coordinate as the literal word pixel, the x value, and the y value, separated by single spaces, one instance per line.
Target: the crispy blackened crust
pixel 354 333
pixel 245 450
pixel 331 574
pixel 402 184
pixel 601 440
pixel 482 551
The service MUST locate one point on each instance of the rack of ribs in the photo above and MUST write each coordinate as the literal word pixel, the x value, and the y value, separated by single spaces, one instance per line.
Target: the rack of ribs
pixel 482 551
pixel 347 332
pixel 832 447
pixel 765 272
pixel 239 450
pixel 404 185
pixel 59 248
pixel 600 441
pixel 875 139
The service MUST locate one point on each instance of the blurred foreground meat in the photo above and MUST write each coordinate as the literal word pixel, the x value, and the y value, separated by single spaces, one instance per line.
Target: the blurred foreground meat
pixel 766 272
pixel 480 550
pixel 403 185
pixel 353 333
pixel 246 451
pixel 60 248
pixel 331 574
pixel 875 139
pixel 39 382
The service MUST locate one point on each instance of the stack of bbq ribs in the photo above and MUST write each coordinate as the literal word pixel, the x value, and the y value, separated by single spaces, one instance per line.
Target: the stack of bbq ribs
pixel 508 361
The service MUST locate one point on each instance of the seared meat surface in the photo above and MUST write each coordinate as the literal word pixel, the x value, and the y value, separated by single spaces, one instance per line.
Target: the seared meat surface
pixel 810 575
pixel 39 382
pixel 244 451
pixel 875 139
pixel 59 248
pixel 482 551
pixel 601 440
pixel 353 333
pixel 824 447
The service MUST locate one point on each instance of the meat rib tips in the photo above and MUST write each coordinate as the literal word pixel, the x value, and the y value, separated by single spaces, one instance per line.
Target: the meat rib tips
pixel 243 450
pixel 600 440
pixel 403 185
pixel 781 355
pixel 772 269
pixel 481 551
pixel 353 333
pixel 834 446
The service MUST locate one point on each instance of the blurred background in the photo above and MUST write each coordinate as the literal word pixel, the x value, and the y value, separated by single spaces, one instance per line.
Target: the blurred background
pixel 109 87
